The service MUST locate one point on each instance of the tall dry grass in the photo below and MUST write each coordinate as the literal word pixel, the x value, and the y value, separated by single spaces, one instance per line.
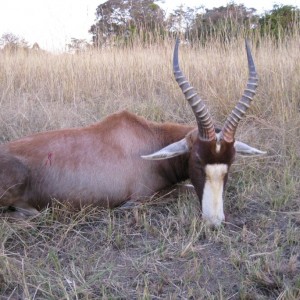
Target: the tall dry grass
pixel 161 251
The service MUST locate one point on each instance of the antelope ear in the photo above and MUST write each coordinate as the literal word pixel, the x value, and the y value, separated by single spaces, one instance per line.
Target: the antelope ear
pixel 169 151
pixel 245 149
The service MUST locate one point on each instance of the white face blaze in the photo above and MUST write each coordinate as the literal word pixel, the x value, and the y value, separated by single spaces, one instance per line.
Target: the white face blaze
pixel 212 200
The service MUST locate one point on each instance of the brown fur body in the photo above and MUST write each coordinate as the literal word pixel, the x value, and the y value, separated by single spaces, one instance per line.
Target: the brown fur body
pixel 99 165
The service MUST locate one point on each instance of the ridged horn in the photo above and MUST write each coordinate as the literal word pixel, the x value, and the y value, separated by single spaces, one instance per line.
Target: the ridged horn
pixel 205 125
pixel 230 125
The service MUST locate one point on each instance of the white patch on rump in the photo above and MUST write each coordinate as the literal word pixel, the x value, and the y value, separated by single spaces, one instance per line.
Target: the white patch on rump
pixel 212 200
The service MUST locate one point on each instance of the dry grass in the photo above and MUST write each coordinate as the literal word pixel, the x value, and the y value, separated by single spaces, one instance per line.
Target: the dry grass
pixel 161 251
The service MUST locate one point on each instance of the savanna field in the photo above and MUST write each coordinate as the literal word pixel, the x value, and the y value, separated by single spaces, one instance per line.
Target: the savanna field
pixel 161 249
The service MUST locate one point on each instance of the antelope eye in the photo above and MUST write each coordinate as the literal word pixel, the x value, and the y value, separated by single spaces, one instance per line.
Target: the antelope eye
pixel 199 164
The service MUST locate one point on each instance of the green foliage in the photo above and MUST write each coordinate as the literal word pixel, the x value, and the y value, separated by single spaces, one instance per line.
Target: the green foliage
pixel 280 20
pixel 224 22
pixel 122 22
pixel 118 21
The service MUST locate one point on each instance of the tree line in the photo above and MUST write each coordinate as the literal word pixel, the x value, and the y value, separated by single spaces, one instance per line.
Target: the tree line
pixel 122 21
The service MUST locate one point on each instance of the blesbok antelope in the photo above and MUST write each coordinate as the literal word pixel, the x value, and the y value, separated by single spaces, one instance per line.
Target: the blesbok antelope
pixel 125 157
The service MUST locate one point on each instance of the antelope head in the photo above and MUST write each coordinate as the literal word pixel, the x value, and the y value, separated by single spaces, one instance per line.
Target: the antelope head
pixel 211 151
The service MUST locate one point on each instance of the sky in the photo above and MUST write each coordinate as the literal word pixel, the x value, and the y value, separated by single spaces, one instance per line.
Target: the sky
pixel 52 23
